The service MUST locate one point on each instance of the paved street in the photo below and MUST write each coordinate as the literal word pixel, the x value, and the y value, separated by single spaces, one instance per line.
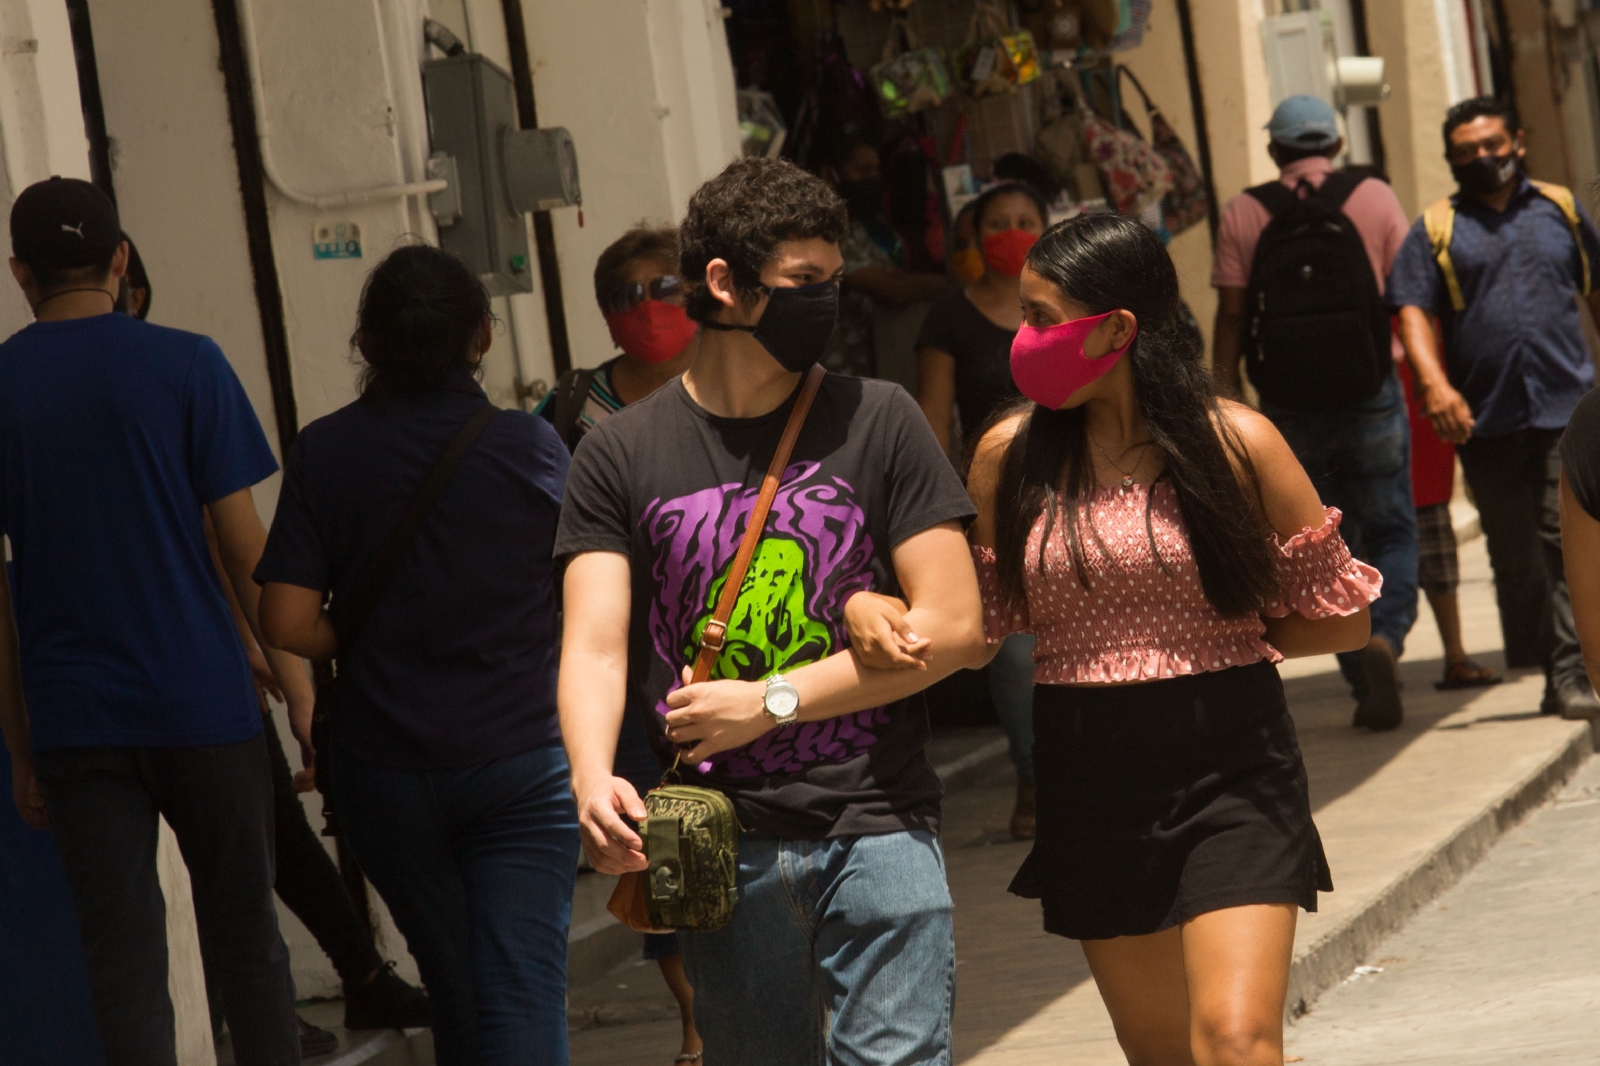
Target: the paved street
pixel 1401 815
pixel 1501 969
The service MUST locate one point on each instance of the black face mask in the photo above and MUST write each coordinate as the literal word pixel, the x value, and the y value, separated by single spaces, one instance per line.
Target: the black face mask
pixel 864 196
pixel 796 325
pixel 1487 174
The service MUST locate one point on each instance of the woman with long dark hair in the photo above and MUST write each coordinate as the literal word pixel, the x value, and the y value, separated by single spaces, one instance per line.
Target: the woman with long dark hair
pixel 1166 550
pixel 448 775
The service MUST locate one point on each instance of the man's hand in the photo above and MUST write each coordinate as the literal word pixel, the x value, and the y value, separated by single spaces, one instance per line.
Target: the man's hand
pixel 1449 413
pixel 301 711
pixel 266 681
pixel 27 793
pixel 880 635
pixel 716 716
pixel 612 846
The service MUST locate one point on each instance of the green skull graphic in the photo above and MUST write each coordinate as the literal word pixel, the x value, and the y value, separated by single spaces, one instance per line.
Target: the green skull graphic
pixel 770 631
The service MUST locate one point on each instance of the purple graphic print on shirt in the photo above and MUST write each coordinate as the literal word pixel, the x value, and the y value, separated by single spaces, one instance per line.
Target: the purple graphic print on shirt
pixel 815 555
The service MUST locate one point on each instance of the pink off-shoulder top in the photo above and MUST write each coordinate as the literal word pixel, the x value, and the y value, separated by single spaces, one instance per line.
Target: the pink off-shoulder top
pixel 1138 620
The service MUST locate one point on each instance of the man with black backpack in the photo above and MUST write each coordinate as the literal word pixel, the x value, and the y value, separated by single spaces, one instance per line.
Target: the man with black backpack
pixel 1503 265
pixel 1300 269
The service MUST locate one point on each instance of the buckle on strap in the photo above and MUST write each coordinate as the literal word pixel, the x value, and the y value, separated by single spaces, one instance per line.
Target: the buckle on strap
pixel 714 635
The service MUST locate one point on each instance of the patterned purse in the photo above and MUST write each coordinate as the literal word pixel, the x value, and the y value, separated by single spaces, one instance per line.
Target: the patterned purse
pixel 691 834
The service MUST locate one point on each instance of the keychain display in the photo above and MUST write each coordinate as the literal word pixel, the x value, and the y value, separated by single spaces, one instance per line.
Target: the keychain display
pixel 996 58
pixel 909 78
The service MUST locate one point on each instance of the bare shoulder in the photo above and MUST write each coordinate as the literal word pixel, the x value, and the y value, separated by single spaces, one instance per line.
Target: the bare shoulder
pixel 1255 433
pixel 1286 492
pixel 989 455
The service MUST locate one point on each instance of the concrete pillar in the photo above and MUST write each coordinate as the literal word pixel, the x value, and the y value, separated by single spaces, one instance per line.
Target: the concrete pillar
pixel 1159 65
pixel 1539 72
pixel 646 87
pixel 1408 35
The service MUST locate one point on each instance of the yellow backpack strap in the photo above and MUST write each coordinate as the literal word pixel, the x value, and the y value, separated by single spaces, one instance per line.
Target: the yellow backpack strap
pixel 1440 222
pixel 1562 197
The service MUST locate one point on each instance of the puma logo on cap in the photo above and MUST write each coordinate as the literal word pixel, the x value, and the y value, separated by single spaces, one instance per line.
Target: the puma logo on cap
pixel 78 229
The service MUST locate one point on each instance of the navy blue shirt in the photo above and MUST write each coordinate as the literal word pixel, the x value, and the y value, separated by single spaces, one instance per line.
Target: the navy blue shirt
pixel 457 664
pixel 114 435
pixel 1516 352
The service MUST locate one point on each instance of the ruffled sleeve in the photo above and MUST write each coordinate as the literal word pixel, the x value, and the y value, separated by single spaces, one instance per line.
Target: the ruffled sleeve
pixel 1317 575
pixel 999 620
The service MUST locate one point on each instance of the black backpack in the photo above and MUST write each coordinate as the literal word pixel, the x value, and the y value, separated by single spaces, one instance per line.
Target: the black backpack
pixel 1317 333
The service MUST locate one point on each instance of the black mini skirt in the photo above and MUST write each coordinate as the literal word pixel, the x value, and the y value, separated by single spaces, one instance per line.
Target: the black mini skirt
pixel 1162 801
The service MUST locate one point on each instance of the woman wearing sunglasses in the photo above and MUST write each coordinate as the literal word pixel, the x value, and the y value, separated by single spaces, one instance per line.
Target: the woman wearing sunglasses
pixel 641 297
pixel 639 291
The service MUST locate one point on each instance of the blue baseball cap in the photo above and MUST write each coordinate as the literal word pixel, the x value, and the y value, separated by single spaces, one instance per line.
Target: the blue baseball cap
pixel 1304 122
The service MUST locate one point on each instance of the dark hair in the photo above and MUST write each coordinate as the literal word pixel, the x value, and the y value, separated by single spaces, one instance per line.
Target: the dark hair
pixel 743 214
pixel 1108 262
pixel 1019 166
pixel 1479 107
pixel 981 205
pixel 48 279
pixel 421 309
pixel 644 241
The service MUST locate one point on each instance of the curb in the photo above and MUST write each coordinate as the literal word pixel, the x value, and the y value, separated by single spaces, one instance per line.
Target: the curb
pixel 1331 958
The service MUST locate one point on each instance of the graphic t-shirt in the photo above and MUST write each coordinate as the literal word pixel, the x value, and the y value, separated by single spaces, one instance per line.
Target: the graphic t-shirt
pixel 672 487
pixel 114 435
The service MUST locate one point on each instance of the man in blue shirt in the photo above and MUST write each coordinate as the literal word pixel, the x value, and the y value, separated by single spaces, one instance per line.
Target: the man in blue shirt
pixel 1502 265
pixel 124 693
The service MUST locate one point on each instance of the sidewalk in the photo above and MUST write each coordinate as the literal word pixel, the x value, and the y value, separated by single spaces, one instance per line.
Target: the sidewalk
pixel 1402 816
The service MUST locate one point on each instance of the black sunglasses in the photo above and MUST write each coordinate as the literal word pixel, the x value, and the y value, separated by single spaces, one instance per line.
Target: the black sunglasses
pixel 668 288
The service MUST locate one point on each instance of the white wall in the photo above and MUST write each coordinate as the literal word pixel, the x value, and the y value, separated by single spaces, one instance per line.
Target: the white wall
pixel 646 87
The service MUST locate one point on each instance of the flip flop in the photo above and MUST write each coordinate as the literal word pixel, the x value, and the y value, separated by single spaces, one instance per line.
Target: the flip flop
pixel 689 1056
pixel 1467 674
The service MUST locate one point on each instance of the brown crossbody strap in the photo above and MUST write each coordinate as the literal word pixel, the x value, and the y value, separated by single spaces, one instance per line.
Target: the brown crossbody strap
pixel 716 631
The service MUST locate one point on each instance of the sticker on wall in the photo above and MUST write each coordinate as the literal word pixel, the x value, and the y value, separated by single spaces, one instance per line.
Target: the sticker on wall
pixel 336 240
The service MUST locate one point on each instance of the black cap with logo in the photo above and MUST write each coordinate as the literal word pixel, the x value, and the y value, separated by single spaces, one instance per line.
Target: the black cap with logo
pixel 63 223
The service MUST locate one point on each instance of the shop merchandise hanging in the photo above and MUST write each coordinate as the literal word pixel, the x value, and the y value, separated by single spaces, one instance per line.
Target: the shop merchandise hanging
pixel 839 102
pixel 1135 176
pixel 909 78
pixel 996 58
pixel 1186 203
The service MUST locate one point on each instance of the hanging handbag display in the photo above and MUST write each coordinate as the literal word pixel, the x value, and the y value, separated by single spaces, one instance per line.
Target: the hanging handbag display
pixel 909 78
pixel 1186 202
pixel 996 58
pixel 1134 174
pixel 365 598
pixel 691 834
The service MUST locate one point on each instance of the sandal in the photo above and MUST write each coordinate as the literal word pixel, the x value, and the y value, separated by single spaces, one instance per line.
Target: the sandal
pixel 689 1056
pixel 1467 674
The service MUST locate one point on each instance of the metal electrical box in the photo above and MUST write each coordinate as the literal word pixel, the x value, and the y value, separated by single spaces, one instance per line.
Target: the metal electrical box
pixel 496 171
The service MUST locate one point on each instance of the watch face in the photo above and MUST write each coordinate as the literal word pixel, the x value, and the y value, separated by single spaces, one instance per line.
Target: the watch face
pixel 783 701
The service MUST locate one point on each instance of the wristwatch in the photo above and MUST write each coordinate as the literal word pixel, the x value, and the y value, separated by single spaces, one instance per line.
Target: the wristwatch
pixel 782 700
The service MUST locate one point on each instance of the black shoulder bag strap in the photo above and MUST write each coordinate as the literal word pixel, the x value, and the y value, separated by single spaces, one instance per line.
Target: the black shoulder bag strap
pixel 405 531
pixel 365 598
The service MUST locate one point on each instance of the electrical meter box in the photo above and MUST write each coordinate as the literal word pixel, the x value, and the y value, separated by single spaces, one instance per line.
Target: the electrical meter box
pixel 496 171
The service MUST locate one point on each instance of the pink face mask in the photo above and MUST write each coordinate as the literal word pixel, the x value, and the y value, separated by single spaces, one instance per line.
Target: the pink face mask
pixel 1048 363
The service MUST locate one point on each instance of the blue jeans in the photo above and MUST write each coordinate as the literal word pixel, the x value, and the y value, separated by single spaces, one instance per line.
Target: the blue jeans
pixel 477 865
pixel 840 951
pixel 1359 459
pixel 1011 689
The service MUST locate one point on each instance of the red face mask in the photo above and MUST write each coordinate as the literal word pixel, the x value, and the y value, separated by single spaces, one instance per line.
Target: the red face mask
pixel 652 331
pixel 1006 251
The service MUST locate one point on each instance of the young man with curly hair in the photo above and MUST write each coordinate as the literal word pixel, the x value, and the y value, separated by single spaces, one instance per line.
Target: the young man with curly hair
pixel 841 946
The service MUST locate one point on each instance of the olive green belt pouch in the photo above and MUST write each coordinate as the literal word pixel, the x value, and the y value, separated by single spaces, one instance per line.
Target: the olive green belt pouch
pixel 691 839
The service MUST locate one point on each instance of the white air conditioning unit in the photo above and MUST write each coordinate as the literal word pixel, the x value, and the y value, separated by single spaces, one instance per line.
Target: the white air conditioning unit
pixel 1302 59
